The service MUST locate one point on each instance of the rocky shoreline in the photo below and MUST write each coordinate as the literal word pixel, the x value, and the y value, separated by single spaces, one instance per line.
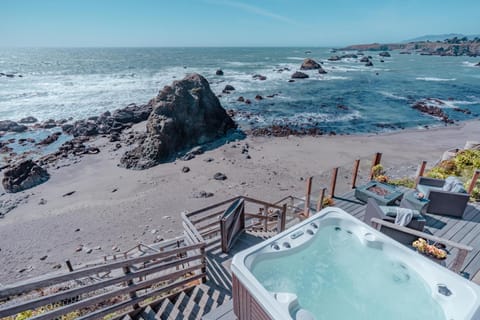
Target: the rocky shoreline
pixel 448 47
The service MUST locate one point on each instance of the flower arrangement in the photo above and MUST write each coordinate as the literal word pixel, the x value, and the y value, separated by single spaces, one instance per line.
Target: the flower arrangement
pixel 429 249
pixel 328 202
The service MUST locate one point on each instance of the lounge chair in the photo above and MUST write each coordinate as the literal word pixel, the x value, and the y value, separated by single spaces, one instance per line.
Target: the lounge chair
pixel 442 202
pixel 373 210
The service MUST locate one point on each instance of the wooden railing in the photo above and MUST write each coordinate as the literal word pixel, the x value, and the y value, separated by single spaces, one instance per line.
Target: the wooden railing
pixel 461 250
pixel 204 224
pixel 120 286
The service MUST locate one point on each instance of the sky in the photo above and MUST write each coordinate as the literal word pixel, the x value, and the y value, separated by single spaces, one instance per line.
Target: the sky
pixel 167 23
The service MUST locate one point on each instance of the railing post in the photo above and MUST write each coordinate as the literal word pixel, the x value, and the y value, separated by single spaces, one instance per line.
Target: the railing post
pixel 69 265
pixel 306 211
pixel 333 183
pixel 421 171
pixel 474 181
pixel 203 261
pixel 265 221
pixel 321 197
pixel 458 261
pixel 132 294
pixel 376 160
pixel 356 165
pixel 283 220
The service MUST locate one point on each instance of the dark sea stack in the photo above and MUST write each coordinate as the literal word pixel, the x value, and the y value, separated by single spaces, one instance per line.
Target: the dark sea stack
pixel 228 88
pixel 299 75
pixel 241 99
pixel 322 71
pixel 28 120
pixel 259 77
pixel 12 126
pixel 24 175
pixel 309 64
pixel 219 72
pixel 184 115
pixel 384 54
pixel 334 58
pixel 364 59
pixel 432 110
pixel 369 64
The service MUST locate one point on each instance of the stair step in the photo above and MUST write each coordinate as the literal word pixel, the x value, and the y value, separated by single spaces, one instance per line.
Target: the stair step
pixel 165 310
pixel 147 314
pixel 126 317
pixel 176 312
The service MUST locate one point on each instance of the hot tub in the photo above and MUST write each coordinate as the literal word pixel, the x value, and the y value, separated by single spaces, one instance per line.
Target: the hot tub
pixel 333 266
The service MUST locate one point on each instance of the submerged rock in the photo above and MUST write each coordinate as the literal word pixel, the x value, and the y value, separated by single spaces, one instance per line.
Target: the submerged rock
pixel 219 72
pixel 334 58
pixel 384 54
pixel 23 175
pixel 185 114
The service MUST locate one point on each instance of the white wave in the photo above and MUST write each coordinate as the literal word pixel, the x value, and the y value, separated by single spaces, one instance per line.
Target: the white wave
pixel 296 58
pixel 470 64
pixel 392 95
pixel 435 79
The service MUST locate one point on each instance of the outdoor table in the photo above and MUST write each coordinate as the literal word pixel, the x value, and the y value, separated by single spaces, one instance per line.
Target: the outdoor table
pixel 383 194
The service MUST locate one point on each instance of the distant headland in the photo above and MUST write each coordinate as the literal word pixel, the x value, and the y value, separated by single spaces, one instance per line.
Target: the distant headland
pixel 454 46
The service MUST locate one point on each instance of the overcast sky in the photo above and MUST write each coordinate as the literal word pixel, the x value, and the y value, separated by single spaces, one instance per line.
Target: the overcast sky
pixel 153 23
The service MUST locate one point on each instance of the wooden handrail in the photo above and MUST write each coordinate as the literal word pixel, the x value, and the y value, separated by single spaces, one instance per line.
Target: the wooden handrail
pixel 33 284
pixel 459 259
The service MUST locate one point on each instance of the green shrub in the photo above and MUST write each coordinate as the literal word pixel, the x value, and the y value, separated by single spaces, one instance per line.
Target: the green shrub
pixel 403 182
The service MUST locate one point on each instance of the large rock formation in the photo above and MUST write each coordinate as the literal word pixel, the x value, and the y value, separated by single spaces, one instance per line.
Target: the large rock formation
pixel 185 114
pixel 310 64
pixel 24 175
pixel 299 75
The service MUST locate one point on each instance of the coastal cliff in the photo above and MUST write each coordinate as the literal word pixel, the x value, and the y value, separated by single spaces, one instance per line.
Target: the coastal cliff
pixel 448 47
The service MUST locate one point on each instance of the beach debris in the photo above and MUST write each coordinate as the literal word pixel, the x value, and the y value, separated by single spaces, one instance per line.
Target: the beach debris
pixel 23 175
pixel 208 159
pixel 219 176
pixel 12 126
pixel 68 194
pixel 184 114
pixel 115 249
pixel 79 248
pixel 28 119
pixel 87 250
pixel 299 75
pixel 202 194
pixel 57 266
pixel 153 231
pixel 77 230
pixel 219 72
pixel 42 202
pixel 114 190
pixel 185 169
pixel 44 257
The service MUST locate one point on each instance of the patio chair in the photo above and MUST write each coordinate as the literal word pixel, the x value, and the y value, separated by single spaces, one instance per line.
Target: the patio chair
pixel 373 210
pixel 442 202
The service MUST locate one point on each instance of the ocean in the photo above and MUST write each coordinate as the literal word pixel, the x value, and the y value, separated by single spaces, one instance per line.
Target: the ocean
pixel 350 99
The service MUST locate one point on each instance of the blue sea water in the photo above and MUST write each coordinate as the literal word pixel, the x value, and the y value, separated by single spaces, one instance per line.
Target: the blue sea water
pixel 80 82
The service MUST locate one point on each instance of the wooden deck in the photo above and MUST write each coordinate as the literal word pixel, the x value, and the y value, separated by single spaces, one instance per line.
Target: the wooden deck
pixel 465 231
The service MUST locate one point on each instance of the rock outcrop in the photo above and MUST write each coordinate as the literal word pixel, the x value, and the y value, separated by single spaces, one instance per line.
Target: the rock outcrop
pixel 28 119
pixel 299 75
pixel 185 114
pixel 24 175
pixel 384 54
pixel 12 126
pixel 310 64
pixel 107 122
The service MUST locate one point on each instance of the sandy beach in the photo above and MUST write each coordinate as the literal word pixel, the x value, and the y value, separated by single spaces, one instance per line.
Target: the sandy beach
pixel 115 207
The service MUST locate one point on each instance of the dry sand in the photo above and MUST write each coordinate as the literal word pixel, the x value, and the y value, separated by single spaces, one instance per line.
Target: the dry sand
pixel 147 204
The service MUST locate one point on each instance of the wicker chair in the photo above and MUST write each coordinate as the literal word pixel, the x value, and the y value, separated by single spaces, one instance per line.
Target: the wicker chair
pixel 442 202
